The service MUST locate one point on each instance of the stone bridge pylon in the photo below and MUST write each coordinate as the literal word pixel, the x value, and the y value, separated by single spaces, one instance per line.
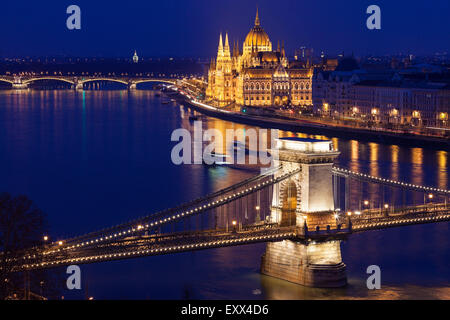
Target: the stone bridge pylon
pixel 305 200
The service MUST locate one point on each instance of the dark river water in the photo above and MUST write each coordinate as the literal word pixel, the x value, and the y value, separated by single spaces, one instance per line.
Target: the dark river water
pixel 96 158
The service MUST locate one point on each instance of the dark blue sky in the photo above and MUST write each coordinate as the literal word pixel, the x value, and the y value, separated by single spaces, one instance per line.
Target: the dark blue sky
pixel 191 27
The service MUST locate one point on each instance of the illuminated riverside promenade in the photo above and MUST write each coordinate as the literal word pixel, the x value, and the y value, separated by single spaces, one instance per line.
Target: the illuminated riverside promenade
pixel 193 90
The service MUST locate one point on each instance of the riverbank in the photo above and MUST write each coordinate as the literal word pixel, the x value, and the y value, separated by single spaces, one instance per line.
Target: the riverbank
pixel 321 129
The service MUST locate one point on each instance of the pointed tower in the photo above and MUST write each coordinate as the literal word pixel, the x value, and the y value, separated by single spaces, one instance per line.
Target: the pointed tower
pixel 226 50
pixel 220 53
pixel 220 49
pixel 284 59
pixel 227 63
pixel 257 22
pixel 256 37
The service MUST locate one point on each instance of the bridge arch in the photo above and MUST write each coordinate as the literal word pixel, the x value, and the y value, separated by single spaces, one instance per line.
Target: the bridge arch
pixel 48 78
pixel 6 80
pixel 103 79
pixel 290 191
pixel 154 80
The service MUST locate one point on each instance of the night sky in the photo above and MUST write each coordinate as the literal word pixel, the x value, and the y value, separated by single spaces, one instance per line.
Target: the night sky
pixel 190 28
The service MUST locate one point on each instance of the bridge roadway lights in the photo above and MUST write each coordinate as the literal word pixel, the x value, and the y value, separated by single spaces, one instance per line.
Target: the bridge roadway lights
pixel 309 196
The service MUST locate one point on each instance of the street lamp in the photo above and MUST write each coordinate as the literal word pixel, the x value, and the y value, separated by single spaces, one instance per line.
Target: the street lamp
pixel 234 223
pixel 45 238
pixel 430 196
pixel 366 202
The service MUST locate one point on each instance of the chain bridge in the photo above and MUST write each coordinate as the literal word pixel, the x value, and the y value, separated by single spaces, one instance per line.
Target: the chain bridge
pixel 303 207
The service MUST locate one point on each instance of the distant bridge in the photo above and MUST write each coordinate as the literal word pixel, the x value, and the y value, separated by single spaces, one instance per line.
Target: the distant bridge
pixel 22 82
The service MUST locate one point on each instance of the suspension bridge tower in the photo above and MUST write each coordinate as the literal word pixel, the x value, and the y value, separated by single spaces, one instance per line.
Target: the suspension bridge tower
pixel 306 201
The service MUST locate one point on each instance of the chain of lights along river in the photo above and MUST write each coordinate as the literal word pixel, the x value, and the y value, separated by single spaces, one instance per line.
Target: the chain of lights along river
pixel 91 159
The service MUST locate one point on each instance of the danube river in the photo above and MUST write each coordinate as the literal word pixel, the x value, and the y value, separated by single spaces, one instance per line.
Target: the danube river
pixel 97 158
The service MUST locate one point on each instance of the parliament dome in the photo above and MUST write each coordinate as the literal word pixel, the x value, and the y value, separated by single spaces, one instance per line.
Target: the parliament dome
pixel 257 38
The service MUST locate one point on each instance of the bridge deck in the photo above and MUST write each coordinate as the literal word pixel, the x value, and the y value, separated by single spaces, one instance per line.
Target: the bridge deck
pixel 159 244
pixel 389 182
pixel 376 219
pixel 139 246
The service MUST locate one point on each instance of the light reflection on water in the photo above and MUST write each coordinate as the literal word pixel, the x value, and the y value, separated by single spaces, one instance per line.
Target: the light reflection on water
pixel 104 157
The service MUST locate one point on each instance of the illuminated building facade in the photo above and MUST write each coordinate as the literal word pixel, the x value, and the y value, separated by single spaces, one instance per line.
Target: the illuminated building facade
pixel 257 76
pixel 416 104
pixel 385 98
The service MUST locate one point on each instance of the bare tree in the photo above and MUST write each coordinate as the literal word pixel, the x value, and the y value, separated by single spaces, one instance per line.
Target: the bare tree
pixel 22 226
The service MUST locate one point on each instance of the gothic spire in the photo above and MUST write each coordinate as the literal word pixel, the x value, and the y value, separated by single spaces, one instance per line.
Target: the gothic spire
pixel 227 44
pixel 257 23
pixel 220 50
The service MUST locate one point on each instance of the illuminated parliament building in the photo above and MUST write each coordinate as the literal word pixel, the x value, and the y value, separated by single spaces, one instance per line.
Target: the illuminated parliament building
pixel 257 76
